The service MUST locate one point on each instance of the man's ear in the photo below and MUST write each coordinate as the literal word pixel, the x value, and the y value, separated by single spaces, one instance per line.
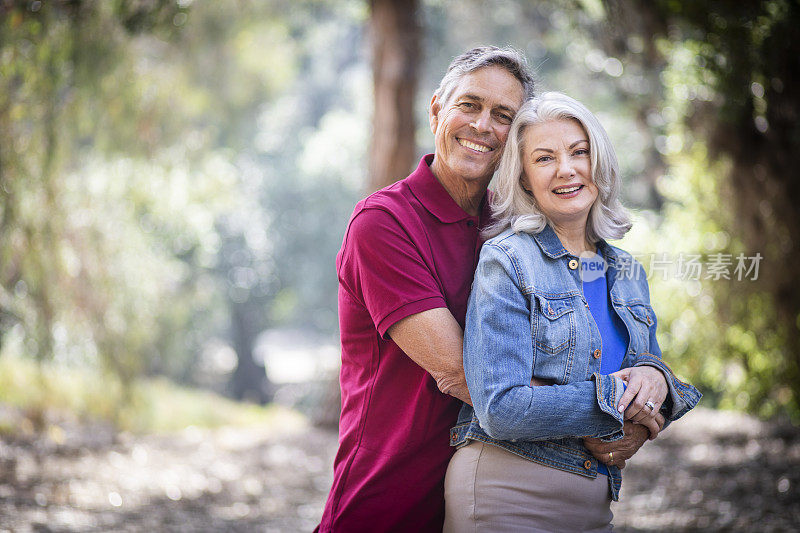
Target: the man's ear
pixel 433 113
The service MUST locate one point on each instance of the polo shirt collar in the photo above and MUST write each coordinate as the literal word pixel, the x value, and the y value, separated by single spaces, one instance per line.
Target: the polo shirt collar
pixel 431 194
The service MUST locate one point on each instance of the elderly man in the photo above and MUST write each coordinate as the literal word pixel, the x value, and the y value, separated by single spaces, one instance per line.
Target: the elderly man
pixel 405 270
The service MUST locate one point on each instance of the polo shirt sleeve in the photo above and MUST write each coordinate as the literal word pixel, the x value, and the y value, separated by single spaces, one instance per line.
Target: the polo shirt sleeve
pixel 384 269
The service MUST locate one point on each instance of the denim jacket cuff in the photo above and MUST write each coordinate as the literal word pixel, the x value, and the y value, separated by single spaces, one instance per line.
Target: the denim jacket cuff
pixel 609 391
pixel 681 397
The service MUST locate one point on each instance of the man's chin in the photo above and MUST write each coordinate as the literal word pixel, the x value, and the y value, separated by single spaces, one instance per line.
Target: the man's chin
pixel 473 173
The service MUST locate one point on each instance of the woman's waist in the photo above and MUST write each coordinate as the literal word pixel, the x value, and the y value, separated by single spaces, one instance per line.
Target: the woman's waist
pixel 565 454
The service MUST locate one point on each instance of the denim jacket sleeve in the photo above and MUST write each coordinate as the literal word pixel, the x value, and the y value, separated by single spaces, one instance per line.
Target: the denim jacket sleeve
pixel 681 396
pixel 498 363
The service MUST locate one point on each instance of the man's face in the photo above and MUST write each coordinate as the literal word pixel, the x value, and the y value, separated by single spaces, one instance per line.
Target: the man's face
pixel 471 127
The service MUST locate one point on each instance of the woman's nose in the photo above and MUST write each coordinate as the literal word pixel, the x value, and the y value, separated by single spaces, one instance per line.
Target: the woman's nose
pixel 565 168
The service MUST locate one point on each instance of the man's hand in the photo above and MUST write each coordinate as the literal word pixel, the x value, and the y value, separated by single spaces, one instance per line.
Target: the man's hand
pixel 434 340
pixel 619 451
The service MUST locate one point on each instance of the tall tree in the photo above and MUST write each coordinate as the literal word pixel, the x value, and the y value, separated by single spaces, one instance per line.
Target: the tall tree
pixel 395 36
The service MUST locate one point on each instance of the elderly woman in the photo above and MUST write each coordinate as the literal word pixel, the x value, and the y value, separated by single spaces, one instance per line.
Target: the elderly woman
pixel 559 324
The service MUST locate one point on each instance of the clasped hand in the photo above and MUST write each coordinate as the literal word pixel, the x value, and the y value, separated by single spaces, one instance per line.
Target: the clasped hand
pixel 644 384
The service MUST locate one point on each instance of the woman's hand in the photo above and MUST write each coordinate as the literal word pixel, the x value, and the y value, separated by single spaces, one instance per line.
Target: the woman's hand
pixel 645 393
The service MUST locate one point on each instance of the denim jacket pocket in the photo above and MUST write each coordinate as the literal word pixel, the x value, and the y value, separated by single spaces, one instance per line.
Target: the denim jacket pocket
pixel 554 333
pixel 643 317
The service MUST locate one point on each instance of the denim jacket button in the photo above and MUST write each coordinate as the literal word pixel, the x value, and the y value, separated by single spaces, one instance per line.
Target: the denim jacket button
pixel 573 264
pixel 587 465
pixel 596 353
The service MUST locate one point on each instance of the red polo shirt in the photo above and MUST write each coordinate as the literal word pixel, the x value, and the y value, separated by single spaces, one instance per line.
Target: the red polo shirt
pixel 408 248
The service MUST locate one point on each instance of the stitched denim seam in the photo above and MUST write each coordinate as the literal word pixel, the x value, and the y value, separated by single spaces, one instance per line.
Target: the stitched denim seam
pixel 540 460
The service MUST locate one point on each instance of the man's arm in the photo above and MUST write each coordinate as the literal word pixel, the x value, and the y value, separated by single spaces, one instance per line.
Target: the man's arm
pixel 434 340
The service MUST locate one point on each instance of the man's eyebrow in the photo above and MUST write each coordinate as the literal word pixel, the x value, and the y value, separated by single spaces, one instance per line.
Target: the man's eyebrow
pixel 477 98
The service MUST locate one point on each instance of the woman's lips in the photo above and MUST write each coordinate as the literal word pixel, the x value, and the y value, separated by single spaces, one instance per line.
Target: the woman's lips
pixel 568 191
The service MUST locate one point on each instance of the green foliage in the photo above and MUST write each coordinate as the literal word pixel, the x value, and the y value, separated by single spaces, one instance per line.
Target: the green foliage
pixel 160 165
pixel 167 167
pixel 47 390
pixel 728 134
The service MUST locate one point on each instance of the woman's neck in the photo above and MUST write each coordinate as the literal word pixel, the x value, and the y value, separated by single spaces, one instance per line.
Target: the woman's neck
pixel 574 239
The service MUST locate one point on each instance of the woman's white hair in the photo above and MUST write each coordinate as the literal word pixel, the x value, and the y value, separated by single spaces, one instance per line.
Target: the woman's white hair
pixel 514 207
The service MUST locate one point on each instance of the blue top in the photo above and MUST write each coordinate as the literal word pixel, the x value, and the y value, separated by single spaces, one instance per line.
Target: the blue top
pixel 613 335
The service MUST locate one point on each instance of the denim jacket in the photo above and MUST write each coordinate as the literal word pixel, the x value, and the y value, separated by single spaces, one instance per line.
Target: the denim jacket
pixel 528 317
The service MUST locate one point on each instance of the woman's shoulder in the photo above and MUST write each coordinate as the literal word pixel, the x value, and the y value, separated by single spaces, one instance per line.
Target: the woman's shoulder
pixel 510 241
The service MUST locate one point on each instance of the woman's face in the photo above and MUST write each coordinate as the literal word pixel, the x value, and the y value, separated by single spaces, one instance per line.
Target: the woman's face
pixel 558 171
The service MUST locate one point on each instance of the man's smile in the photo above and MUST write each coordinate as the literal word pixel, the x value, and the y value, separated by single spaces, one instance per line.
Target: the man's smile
pixel 474 146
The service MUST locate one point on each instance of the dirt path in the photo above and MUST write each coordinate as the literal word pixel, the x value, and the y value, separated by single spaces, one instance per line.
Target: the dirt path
pixel 712 471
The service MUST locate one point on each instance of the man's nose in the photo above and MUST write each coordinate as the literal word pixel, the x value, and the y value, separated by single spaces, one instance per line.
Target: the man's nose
pixel 482 122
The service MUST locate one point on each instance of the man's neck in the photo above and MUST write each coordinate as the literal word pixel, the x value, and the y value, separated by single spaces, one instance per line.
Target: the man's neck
pixel 467 194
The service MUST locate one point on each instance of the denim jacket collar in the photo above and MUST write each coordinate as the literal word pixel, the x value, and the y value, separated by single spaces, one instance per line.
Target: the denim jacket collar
pixel 551 245
pixel 608 252
pixel 549 242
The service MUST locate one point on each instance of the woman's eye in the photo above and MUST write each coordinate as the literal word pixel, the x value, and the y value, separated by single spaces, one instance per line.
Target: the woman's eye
pixel 582 151
pixel 544 159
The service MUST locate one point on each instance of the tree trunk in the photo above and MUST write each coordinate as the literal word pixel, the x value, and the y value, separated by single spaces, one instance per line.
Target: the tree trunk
pixel 395 35
pixel 249 380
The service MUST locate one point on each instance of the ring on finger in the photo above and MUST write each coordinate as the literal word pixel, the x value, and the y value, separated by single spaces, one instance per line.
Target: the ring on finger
pixel 650 404
pixel 610 457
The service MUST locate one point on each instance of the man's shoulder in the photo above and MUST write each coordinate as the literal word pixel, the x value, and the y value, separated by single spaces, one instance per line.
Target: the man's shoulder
pixel 394 205
pixel 394 198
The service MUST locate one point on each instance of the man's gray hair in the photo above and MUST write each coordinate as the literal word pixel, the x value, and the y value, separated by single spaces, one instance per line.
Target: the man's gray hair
pixel 514 207
pixel 485 56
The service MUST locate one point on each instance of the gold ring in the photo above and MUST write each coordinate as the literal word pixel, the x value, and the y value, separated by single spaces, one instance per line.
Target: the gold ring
pixel 610 457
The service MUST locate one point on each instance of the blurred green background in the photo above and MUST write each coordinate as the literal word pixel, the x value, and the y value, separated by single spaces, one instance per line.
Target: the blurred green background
pixel 176 177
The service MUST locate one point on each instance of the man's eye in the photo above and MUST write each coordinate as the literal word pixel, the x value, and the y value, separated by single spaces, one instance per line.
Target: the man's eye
pixel 505 119
pixel 467 105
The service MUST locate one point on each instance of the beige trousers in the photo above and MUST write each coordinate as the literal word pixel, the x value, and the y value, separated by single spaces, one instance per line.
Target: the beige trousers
pixel 489 489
